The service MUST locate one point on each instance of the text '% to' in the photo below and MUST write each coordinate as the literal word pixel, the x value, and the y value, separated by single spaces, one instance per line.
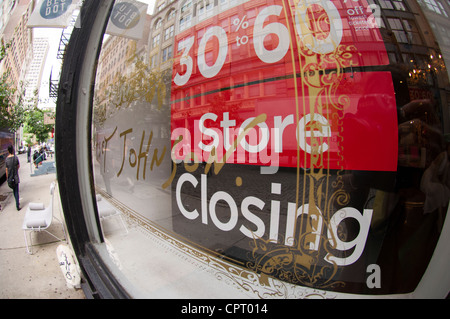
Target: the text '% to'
pixel 244 24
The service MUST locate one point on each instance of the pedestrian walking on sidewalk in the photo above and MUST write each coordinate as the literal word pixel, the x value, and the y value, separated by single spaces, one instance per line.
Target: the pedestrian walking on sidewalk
pixel 29 154
pixel 12 173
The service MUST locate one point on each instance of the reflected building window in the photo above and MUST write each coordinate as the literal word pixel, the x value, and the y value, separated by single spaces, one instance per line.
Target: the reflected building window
pixel 405 31
pixel 167 54
pixel 155 40
pixel 168 33
pixel 435 6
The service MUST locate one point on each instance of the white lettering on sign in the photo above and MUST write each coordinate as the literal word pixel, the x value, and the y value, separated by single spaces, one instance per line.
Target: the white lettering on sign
pixel 306 35
pixel 208 212
pixel 257 139
pixel 260 33
pixel 374 278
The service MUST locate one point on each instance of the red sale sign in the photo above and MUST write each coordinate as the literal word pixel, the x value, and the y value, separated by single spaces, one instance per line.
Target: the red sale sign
pixel 274 84
pixel 359 136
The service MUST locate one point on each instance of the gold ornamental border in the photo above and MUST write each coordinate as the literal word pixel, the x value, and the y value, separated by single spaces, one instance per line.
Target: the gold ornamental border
pixel 258 285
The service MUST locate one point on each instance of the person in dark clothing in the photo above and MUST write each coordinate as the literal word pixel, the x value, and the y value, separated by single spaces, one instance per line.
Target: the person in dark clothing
pixel 37 158
pixel 12 173
pixel 29 154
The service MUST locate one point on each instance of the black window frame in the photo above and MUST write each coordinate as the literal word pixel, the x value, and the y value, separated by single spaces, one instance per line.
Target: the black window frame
pixel 98 280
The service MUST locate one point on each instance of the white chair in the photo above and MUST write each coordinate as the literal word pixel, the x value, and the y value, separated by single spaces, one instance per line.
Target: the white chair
pixel 39 218
pixel 106 210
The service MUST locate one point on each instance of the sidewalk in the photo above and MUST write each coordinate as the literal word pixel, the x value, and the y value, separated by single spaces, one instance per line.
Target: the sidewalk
pixel 36 276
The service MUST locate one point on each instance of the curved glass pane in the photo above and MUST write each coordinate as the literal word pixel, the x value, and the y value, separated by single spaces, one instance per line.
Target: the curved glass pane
pixel 279 143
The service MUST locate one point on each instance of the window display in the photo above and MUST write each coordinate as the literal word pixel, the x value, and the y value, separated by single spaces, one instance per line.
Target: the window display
pixel 286 148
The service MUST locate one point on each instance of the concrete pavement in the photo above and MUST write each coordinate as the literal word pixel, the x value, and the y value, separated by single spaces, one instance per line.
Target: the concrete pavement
pixel 36 276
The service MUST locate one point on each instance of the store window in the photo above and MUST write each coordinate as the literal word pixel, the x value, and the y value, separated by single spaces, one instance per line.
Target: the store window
pixel 284 149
